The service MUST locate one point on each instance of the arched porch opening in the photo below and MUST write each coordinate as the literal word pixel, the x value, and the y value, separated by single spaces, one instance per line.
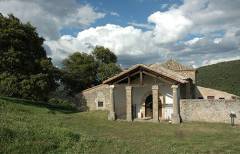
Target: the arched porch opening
pixel 146 109
pixel 149 107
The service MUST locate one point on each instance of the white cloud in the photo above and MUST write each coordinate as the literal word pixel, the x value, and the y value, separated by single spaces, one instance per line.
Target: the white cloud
pixel 164 37
pixel 121 40
pixel 212 15
pixel 127 41
pixel 114 14
pixel 213 27
pixel 170 25
pixel 51 16
pixel 214 61
pixel 164 6
pixel 217 40
pixel 193 41
pixel 140 25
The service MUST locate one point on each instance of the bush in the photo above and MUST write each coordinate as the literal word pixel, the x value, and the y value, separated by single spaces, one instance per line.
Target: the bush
pixel 61 103
pixel 34 87
pixel 9 85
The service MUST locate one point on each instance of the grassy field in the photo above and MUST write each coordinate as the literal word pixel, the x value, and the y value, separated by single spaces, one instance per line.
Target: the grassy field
pixel 26 127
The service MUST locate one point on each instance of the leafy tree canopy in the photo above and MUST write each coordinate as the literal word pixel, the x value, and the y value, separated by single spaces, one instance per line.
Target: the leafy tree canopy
pixel 79 71
pixel 83 70
pixel 107 70
pixel 104 55
pixel 25 69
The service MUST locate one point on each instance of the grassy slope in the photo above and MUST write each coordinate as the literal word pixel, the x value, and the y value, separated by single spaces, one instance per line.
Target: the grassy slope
pixel 29 128
pixel 223 76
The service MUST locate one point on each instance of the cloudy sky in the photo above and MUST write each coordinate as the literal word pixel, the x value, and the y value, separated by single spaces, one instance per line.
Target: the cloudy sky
pixel 195 32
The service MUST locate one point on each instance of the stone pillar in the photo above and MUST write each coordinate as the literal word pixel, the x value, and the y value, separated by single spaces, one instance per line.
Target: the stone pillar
pixel 129 103
pixel 162 98
pixel 175 115
pixel 111 115
pixel 155 98
pixel 188 91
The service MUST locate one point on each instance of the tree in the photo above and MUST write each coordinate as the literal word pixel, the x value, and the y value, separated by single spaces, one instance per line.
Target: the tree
pixel 25 69
pixel 104 55
pixel 79 71
pixel 106 60
pixel 83 70
pixel 106 71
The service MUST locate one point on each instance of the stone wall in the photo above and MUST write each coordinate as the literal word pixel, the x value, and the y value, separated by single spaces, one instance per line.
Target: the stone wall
pixel 119 93
pixel 101 93
pixel 93 95
pixel 209 110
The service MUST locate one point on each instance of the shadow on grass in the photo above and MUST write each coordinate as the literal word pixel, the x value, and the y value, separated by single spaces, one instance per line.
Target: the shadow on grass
pixel 59 108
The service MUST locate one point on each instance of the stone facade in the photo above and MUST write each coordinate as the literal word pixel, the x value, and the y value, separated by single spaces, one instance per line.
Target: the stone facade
pixel 120 101
pixel 154 92
pixel 155 97
pixel 94 95
pixel 209 110
pixel 129 102
pixel 111 115
pixel 176 117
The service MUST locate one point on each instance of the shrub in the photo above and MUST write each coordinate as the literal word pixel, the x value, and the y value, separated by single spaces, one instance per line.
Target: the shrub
pixel 61 103
pixel 9 85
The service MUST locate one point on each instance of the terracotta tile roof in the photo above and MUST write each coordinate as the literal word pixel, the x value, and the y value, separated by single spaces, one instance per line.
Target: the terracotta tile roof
pixel 174 65
pixel 159 68
pixel 154 68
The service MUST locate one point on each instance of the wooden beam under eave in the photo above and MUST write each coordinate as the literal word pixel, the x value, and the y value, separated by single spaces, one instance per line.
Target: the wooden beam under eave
pixel 129 75
pixel 159 77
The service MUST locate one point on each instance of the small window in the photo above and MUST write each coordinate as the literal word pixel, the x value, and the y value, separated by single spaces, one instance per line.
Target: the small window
pixel 210 97
pixel 221 98
pixel 233 97
pixel 200 97
pixel 100 104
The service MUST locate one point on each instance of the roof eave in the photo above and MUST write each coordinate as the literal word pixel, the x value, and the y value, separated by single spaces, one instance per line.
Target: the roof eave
pixel 145 67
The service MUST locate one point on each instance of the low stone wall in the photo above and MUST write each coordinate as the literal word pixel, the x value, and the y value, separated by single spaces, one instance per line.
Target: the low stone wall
pixel 209 110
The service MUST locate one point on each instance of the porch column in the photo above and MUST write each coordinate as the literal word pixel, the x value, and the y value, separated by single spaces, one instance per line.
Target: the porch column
pixel 188 91
pixel 111 115
pixel 129 102
pixel 155 98
pixel 175 115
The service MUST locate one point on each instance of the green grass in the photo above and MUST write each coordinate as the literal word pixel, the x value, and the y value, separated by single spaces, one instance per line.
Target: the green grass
pixel 26 127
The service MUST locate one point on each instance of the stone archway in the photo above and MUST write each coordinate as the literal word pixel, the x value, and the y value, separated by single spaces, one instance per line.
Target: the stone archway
pixel 149 107
pixel 146 109
pixel 142 108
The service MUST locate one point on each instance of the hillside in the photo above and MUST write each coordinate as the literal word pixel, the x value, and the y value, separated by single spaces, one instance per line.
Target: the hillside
pixel 222 76
pixel 29 127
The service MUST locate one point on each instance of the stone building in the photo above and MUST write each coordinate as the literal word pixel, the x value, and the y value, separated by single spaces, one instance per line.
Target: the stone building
pixel 149 92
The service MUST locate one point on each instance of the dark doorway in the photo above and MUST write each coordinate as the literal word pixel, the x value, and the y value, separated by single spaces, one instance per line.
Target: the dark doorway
pixel 149 107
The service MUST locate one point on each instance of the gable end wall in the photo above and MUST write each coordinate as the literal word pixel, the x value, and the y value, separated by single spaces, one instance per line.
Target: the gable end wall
pixel 93 95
